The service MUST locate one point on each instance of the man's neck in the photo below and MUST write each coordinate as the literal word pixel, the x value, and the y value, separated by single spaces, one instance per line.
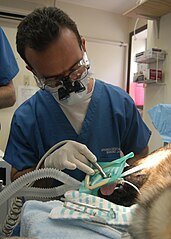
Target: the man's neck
pixel 90 85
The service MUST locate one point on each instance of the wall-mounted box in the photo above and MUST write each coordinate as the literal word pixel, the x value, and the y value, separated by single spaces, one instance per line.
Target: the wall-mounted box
pixel 153 74
pixel 150 56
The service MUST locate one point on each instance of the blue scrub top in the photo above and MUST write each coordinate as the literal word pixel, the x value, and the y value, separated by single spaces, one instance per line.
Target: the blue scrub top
pixel 112 123
pixel 8 64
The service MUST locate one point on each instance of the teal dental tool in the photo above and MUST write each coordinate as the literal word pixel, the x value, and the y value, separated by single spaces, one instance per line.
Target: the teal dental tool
pixel 105 172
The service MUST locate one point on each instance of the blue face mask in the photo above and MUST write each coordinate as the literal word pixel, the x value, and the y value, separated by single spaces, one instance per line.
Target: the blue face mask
pixel 112 169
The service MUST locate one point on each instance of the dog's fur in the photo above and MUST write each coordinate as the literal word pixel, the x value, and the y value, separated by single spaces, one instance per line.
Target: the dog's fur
pixel 152 219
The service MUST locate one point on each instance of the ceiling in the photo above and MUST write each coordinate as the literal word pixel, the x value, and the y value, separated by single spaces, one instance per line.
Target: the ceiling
pixel 116 6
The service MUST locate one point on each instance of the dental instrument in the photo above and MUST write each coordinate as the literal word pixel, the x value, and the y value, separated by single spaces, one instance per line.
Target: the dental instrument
pixel 96 165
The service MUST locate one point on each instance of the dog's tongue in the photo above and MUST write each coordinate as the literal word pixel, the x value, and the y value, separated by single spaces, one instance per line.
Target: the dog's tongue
pixel 108 189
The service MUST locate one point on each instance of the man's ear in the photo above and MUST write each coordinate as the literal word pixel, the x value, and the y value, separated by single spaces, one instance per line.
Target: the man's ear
pixel 83 43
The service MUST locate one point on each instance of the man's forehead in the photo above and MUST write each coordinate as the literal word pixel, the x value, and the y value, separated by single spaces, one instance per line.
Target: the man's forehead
pixel 66 38
pixel 58 57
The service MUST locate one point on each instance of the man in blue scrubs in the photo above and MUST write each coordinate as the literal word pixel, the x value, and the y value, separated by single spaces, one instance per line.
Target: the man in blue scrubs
pixel 8 70
pixel 99 119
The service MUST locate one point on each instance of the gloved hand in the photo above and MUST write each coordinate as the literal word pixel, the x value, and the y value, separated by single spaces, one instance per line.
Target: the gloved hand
pixel 72 155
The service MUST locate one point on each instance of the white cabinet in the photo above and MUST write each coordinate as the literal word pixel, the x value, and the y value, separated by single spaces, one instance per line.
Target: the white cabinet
pixel 150 9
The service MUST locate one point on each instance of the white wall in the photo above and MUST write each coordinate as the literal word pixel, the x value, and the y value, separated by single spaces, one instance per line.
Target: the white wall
pixel 136 23
pixel 97 23
pixel 109 61
pixel 91 23
pixel 155 94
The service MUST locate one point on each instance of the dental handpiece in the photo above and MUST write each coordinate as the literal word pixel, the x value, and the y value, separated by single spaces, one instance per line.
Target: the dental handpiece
pixel 100 169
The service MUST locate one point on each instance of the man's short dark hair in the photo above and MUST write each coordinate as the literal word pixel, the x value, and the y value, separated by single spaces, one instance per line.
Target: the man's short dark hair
pixel 41 27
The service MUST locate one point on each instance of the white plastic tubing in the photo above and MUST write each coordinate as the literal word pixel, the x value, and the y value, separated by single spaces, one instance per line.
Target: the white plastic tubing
pixel 20 186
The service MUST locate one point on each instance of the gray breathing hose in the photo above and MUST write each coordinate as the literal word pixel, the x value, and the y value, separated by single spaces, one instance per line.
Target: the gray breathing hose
pixel 22 187
pixel 17 186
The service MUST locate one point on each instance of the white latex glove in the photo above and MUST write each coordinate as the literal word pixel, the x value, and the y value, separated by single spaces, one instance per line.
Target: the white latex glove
pixel 72 155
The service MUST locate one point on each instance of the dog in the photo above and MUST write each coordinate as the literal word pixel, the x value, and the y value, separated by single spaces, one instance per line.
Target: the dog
pixel 152 218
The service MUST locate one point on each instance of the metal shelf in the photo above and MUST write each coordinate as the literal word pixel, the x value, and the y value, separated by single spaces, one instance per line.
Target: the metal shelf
pixel 153 57
pixel 148 61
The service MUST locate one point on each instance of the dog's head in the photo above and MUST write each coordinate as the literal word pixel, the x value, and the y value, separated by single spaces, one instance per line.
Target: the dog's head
pixel 125 192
